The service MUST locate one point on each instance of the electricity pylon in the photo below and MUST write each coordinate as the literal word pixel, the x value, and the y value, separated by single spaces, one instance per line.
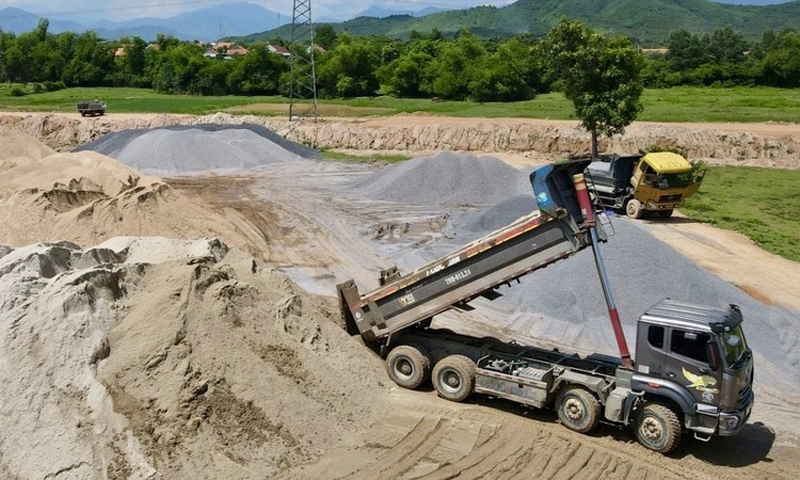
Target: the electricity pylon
pixel 303 88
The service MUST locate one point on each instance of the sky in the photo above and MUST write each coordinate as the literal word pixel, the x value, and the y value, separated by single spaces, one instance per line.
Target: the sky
pixel 119 10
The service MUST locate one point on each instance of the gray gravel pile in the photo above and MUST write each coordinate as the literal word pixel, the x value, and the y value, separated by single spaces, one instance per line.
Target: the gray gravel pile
pixel 446 177
pixel 181 149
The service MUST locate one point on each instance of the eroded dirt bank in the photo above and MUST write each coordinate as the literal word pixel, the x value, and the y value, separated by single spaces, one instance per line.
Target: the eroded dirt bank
pixel 526 140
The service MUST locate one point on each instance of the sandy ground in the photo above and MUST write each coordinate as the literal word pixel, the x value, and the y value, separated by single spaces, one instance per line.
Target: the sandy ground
pixel 317 239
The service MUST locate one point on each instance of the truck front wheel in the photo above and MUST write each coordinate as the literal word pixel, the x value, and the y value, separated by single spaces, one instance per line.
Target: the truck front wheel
pixel 658 428
pixel 454 377
pixel 634 208
pixel 408 366
pixel 578 409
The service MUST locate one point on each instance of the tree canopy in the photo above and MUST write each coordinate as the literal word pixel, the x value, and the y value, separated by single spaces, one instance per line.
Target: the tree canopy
pixel 601 77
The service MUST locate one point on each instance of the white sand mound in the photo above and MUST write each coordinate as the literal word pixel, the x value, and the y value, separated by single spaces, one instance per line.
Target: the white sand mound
pixel 86 197
pixel 153 358
pixel 18 148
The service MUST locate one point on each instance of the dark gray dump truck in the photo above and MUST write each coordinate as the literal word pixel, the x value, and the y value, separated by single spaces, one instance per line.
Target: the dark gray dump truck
pixel 694 371
pixel 92 108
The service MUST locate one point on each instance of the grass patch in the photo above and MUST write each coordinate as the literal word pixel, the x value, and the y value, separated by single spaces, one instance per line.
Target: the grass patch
pixel 681 104
pixel 761 203
pixel 329 154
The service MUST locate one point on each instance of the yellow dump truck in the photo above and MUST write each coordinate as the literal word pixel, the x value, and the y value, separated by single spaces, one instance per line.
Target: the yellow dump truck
pixel 656 183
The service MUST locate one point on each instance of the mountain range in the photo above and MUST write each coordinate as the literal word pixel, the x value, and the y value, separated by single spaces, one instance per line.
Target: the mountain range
pixel 207 24
pixel 647 21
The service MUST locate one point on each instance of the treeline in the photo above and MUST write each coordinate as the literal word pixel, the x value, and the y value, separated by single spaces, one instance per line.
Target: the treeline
pixel 427 65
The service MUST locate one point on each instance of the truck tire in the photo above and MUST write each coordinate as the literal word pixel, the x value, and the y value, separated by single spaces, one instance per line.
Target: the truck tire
pixel 454 377
pixel 578 409
pixel 408 367
pixel 658 428
pixel 665 213
pixel 634 208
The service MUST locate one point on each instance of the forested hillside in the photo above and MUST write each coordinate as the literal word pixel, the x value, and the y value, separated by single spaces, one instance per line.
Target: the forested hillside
pixel 646 22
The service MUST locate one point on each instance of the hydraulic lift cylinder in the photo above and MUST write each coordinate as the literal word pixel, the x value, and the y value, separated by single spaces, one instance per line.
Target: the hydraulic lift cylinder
pixel 589 219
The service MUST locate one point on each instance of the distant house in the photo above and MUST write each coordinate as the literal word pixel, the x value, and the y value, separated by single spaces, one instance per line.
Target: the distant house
pixel 120 51
pixel 280 50
pixel 226 50
pixel 661 51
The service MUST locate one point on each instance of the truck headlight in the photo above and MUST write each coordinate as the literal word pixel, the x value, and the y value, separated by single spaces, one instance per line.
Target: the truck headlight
pixel 729 422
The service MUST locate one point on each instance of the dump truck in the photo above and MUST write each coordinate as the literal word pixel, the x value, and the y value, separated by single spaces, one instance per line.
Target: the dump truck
pixel 694 371
pixel 92 108
pixel 656 183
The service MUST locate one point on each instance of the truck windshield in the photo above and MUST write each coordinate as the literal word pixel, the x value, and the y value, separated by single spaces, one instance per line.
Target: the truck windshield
pixel 733 345
pixel 676 180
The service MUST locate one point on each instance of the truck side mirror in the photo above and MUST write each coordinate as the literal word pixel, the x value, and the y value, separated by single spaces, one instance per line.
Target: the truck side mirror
pixel 713 361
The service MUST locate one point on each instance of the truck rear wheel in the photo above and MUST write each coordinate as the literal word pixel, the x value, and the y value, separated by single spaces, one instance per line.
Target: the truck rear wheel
pixel 634 208
pixel 578 409
pixel 408 366
pixel 658 428
pixel 454 377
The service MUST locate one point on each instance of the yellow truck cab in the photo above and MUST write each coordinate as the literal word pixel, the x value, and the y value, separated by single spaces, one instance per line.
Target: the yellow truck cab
pixel 655 183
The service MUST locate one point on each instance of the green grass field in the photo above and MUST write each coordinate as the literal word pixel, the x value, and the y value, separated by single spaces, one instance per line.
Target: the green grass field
pixel 761 203
pixel 684 104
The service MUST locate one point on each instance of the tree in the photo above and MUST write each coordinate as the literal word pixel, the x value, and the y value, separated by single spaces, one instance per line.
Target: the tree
pixel 258 73
pixel 404 76
pixel 727 46
pixel 349 69
pixel 685 50
pixel 325 36
pixel 601 77
pixel 511 73
pixel 449 74
pixel 781 60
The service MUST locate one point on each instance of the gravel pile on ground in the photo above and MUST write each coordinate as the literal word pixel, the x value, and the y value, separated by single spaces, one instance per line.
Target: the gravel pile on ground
pixel 156 358
pixel 445 178
pixel 182 149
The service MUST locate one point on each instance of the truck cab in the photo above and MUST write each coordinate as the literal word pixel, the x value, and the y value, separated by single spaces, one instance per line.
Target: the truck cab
pixel 697 358
pixel 640 184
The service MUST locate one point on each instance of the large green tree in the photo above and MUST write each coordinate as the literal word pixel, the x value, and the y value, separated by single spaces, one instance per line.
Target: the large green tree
pixel 349 70
pixel 601 76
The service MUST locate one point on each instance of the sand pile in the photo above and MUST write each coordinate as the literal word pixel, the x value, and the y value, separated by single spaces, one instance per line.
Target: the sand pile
pixel 445 178
pixel 148 357
pixel 199 148
pixel 86 197
pixel 17 148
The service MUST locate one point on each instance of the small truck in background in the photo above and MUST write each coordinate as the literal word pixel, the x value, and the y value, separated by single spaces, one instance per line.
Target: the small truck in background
pixel 92 108
pixel 656 183
pixel 694 370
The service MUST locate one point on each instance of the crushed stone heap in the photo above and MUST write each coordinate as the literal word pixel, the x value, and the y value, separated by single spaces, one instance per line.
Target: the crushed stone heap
pixel 187 149
pixel 447 177
pixel 157 358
